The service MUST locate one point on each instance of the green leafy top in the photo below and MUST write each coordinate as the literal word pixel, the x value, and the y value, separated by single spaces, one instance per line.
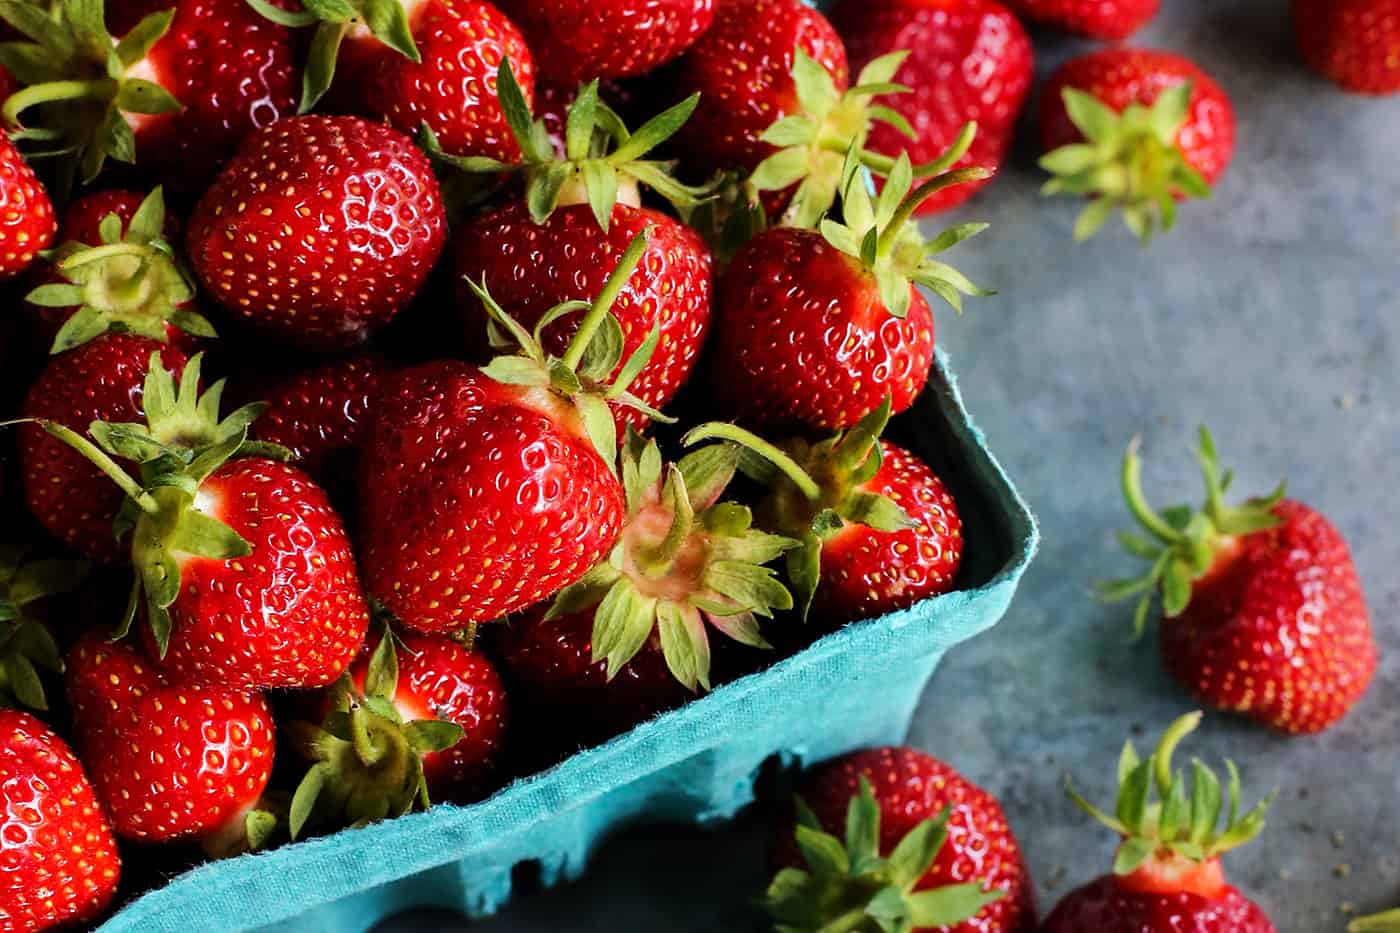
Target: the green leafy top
pixel 1181 544
pixel 878 232
pixel 817 489
pixel 1185 819
pixel 602 162
pixel 130 283
pixel 24 640
pixel 684 558
pixel 851 888
pixel 386 20
pixel 582 374
pixel 1129 161
pixel 78 77
pixel 368 761
pixel 1388 922
pixel 181 443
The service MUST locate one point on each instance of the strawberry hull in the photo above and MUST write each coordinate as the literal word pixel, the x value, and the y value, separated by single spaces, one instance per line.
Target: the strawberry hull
pixel 696 764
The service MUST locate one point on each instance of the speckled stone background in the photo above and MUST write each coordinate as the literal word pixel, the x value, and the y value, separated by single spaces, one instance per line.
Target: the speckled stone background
pixel 1273 314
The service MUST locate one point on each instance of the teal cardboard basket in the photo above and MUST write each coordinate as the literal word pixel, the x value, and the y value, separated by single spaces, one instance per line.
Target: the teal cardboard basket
pixel 694 764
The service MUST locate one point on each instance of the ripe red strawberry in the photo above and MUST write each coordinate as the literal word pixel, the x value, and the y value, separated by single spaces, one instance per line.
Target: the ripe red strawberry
pixel 117 274
pixel 26 643
pixel 1263 612
pixel 1109 20
pixel 196 77
pixel 336 247
pixel 496 481
pixel 1167 876
pixel 321 415
pixel 914 828
pixel 1355 43
pixel 1136 130
pixel 27 222
pixel 811 335
pixel 177 762
pixel 742 69
pixel 100 381
pixel 969 60
pixel 59 858
pixel 246 570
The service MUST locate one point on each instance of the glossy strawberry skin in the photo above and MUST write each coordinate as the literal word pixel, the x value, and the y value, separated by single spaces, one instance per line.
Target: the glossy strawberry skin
pixel 27 223
pixel 321 415
pixel 742 69
pixel 495 498
pixel 578 40
pixel 867 573
pixel 58 858
pixel 1109 20
pixel 911 787
pixel 804 341
pixel 232 70
pixel 529 268
pixel 1119 77
pixel 102 380
pixel 177 762
pixel 1279 631
pixel 291 613
pixel 320 230
pixel 1355 43
pixel 1105 906
pixel 453 89
pixel 969 60
pixel 440 678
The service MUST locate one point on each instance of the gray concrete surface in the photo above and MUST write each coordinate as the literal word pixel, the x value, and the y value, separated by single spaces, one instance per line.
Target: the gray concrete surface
pixel 1273 314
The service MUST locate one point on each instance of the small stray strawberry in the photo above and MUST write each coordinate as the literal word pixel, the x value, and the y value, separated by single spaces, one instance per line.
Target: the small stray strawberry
pixel 60 860
pixel 1109 20
pixel 25 641
pixel 1355 43
pixel 1262 607
pixel 321 415
pixel 27 223
pixel 1166 875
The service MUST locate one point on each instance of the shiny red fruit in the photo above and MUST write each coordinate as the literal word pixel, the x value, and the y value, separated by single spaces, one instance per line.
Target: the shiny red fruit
pixel 321 414
pixel 1107 906
pixel 1109 20
pixel 1356 43
pixel 27 223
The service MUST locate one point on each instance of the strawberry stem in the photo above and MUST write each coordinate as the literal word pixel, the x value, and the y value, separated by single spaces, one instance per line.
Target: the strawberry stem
pixel 106 464
pixel 1177 731
pixel 1137 502
pixel 890 235
pixel 51 91
pixel 883 164
pixel 719 430
pixel 602 305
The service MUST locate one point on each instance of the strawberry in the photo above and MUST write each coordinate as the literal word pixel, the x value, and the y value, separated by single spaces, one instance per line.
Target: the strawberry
pixel 1263 612
pixel 1109 20
pixel 27 222
pixel 1355 43
pixel 485 490
pixel 25 641
pixel 578 40
pixel 879 530
pixel 1136 130
pixel 970 61
pixel 245 569
pixel 337 247
pixel 1167 876
pixel 816 329
pixel 100 381
pixel 179 762
pixel 192 81
pixel 116 270
pixel 563 241
pixel 925 849
pixel 322 414
pixel 59 857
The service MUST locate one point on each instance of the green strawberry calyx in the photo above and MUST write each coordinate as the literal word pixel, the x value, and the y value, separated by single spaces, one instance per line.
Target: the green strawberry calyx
pixel 26 643
pixel 878 232
pixel 816 489
pixel 591 375
pixel 1183 545
pixel 182 442
pixel 684 559
pixel 1129 162
pixel 1388 922
pixel 1184 822
pixel 849 886
pixel 131 282
pixel 386 20
pixel 602 164
pixel 368 762
pixel 83 83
